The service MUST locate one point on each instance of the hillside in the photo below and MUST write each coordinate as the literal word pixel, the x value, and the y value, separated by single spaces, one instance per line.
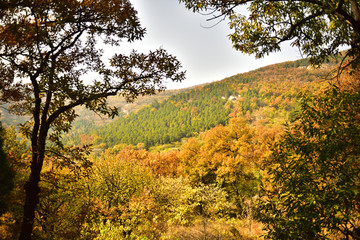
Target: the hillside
pixel 87 118
pixel 265 96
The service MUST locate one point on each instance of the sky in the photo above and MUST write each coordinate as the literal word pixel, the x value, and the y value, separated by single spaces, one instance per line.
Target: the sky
pixel 205 53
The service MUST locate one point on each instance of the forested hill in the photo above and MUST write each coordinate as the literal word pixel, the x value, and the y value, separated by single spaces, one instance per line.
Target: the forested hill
pixel 264 96
pixel 87 119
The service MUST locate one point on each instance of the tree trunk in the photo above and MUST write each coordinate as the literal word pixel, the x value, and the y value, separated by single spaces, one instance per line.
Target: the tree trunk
pixel 32 191
pixel 32 198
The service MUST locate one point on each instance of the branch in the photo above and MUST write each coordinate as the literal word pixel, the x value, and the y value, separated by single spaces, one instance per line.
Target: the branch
pixel 36 114
pixel 355 10
pixel 43 129
pixel 299 24
pixel 106 93
pixel 229 10
pixel 77 35
pixel 111 91
pixel 37 35
pixel 343 15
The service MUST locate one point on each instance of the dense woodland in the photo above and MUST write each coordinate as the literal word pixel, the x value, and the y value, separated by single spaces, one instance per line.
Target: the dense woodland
pixel 268 154
pixel 265 96
pixel 200 178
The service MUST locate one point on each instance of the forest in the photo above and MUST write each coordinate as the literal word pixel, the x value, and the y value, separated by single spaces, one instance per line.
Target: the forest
pixel 268 94
pixel 203 184
pixel 268 154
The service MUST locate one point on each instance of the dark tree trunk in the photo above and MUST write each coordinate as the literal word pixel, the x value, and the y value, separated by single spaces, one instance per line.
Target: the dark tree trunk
pixel 32 198
pixel 32 190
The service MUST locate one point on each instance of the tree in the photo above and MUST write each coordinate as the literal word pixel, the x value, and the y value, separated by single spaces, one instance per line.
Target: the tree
pixel 53 44
pixel 318 27
pixel 16 149
pixel 226 156
pixel 65 204
pixel 123 189
pixel 312 190
pixel 6 175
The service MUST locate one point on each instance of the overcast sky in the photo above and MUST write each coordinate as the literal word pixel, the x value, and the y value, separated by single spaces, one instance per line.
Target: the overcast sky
pixel 205 53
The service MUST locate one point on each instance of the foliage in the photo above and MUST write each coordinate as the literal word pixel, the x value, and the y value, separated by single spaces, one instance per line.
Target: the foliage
pixel 88 120
pixel 312 191
pixel 228 157
pixel 134 193
pixel 179 116
pixel 266 96
pixel 318 28
pixel 184 203
pixel 123 192
pixel 6 175
pixel 17 153
pixel 212 230
pixel 130 193
pixel 64 205
pixel 53 44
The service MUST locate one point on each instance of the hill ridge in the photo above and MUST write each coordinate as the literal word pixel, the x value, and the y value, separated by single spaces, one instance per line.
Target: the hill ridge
pixel 266 95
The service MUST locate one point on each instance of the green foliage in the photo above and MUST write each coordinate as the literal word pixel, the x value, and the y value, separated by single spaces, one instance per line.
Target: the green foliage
pixel 266 96
pixel 184 203
pixel 88 120
pixel 168 121
pixel 318 28
pixel 312 191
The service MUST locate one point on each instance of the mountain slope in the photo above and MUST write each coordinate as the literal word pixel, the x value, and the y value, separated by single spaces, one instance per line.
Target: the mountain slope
pixel 264 96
